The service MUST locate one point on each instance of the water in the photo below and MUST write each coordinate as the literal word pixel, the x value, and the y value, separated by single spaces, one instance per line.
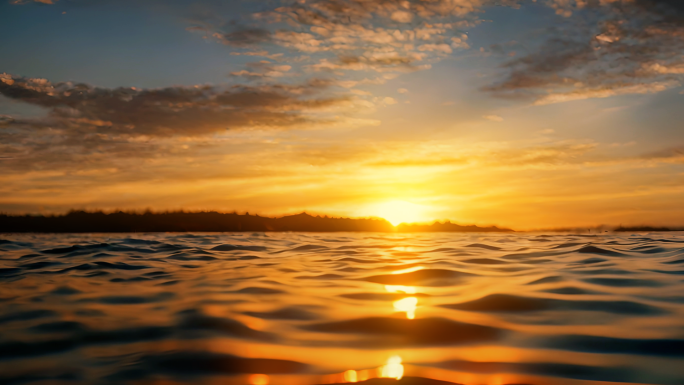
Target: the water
pixel 304 308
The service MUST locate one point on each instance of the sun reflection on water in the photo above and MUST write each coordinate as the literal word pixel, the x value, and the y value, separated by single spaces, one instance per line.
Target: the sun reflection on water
pixel 400 289
pixel 393 368
pixel 351 376
pixel 408 305
pixel 409 270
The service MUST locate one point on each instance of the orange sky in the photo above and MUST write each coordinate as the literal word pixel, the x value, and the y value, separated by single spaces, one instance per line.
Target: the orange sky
pixel 522 115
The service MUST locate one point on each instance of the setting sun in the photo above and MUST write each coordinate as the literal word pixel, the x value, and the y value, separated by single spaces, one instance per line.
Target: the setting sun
pixel 397 212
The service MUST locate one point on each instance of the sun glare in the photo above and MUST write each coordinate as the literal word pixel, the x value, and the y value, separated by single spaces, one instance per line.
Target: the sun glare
pixel 393 368
pixel 397 212
pixel 407 305
pixel 259 379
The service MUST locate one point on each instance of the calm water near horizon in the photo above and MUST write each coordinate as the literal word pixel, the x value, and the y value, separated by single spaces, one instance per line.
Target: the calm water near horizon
pixel 319 308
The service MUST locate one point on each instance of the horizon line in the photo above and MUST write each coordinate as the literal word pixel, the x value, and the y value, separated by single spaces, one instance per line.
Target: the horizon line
pixel 149 211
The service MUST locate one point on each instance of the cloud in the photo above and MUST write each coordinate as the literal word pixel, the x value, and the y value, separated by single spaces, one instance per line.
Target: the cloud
pixel 263 69
pixel 168 111
pixel 87 127
pixel 625 144
pixel 554 155
pixel 670 155
pixel 242 37
pixel 275 56
pixel 599 93
pixel 439 48
pixel 5 120
pixel 634 47
pixel 494 118
pixel 246 37
pixel 346 37
pixel 376 62
pixel 631 46
pixel 402 16
pixel 360 92
pixel 403 91
pixel 389 100
pixel 436 162
pixel 514 156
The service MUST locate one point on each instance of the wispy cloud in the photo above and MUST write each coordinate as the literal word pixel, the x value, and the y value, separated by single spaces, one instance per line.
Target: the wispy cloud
pixel 602 49
pixel 341 38
pixel 630 47
pixel 263 70
pixel 94 127
pixel 494 118
pixel 169 111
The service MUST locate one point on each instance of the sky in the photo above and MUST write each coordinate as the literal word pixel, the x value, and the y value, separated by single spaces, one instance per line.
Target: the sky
pixel 519 113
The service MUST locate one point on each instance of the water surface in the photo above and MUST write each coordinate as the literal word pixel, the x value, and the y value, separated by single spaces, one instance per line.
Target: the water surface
pixel 305 308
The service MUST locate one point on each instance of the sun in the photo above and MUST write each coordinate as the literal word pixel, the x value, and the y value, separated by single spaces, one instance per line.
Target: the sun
pixel 396 212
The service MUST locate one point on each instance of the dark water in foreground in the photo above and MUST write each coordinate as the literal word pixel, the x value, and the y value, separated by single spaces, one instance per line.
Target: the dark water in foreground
pixel 303 308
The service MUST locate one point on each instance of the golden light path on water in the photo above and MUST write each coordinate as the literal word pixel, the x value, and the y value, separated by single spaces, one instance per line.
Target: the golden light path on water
pixel 310 309
pixel 408 305
pixel 393 368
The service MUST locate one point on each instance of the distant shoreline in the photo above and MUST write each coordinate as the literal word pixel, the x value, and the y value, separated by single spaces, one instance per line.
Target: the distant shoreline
pixel 644 228
pixel 122 222
pixel 181 222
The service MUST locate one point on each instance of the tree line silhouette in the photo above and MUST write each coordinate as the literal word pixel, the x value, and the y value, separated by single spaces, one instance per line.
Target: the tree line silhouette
pixel 211 221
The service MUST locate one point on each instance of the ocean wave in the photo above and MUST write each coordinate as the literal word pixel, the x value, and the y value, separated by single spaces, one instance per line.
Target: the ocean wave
pixel 305 308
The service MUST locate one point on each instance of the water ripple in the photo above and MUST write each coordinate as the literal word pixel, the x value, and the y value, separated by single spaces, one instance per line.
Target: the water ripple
pixel 305 308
